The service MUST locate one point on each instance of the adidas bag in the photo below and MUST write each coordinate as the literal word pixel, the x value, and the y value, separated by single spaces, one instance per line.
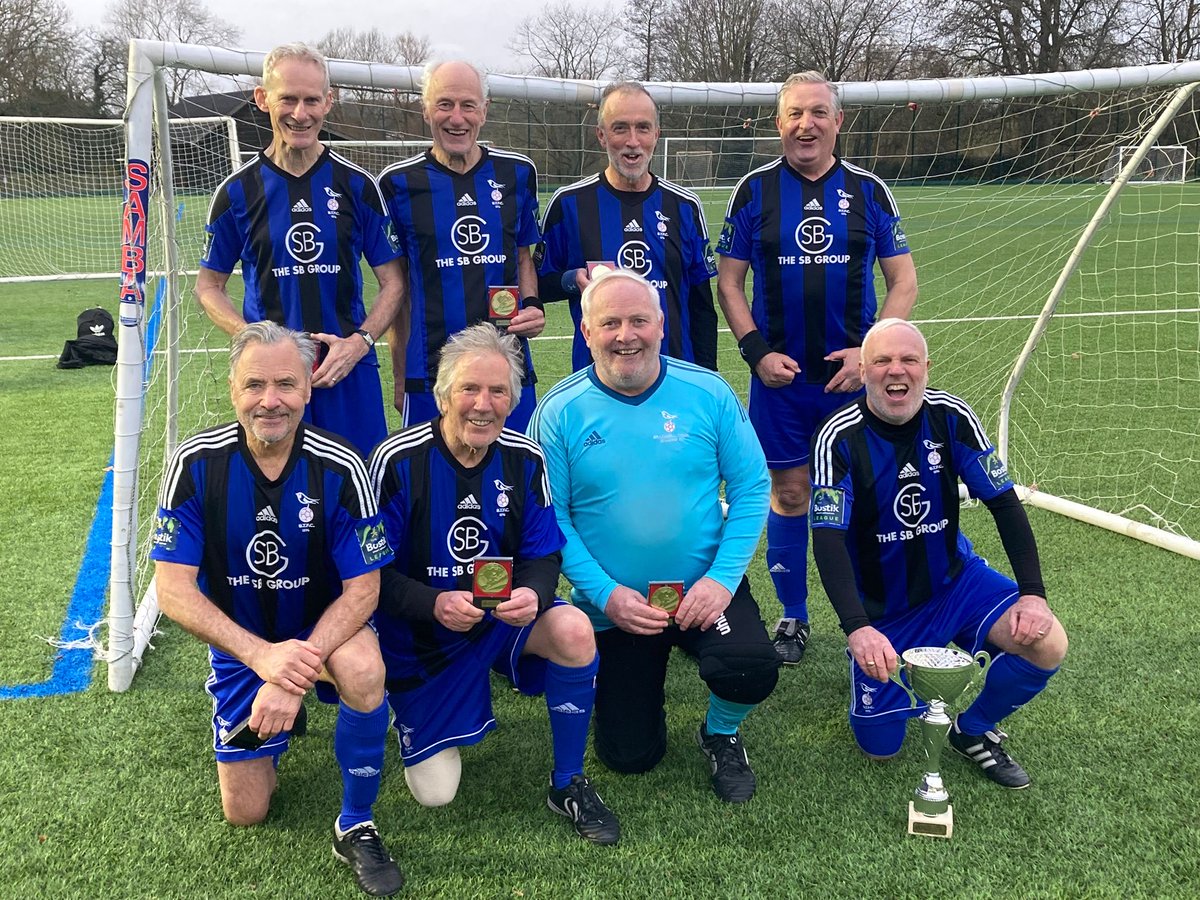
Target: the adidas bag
pixel 94 344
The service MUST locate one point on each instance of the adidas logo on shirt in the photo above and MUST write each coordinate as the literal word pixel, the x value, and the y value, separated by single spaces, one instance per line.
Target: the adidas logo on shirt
pixel 909 472
pixel 266 515
pixel 469 502
pixel 593 440
pixel 466 200
pixel 301 205
pixel 813 205
pixel 633 226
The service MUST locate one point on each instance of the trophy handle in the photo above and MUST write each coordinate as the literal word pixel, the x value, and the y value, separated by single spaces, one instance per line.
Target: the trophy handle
pixel 984 659
pixel 896 677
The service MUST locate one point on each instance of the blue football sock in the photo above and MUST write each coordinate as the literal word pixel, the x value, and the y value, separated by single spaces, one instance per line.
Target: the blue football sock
pixel 787 561
pixel 1011 683
pixel 570 694
pixel 725 716
pixel 359 739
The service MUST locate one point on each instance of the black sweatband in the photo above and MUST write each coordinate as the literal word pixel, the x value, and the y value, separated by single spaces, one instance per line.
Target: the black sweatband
pixel 532 303
pixel 753 347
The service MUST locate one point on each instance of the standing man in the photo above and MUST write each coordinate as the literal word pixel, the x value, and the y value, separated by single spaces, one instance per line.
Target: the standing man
pixel 629 216
pixel 812 227
pixel 455 492
pixel 899 572
pixel 267 547
pixel 299 218
pixel 638 447
pixel 467 220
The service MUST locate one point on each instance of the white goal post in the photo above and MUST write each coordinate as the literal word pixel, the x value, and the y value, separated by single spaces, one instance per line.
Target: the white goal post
pixel 1158 163
pixel 996 178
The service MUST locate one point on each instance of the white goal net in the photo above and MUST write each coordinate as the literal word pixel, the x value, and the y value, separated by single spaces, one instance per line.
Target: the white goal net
pixel 61 190
pixel 1096 341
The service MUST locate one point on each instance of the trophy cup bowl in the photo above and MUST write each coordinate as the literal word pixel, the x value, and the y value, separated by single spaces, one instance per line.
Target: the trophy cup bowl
pixel 938 676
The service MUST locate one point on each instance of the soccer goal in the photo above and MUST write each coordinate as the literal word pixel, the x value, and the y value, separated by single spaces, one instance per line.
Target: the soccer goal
pixel 1065 310
pixel 61 189
pixel 1157 165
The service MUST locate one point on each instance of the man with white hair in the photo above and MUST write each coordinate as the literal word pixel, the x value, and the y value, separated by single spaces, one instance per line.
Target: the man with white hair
pixel 298 218
pixel 899 572
pixel 466 216
pixel 463 492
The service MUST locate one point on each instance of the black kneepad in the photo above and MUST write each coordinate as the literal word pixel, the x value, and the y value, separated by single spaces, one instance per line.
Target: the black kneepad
pixel 741 673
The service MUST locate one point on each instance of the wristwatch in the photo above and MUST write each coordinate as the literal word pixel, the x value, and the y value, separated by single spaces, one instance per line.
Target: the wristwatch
pixel 366 336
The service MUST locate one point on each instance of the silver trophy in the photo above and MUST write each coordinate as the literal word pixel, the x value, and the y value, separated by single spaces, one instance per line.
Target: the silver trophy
pixel 937 675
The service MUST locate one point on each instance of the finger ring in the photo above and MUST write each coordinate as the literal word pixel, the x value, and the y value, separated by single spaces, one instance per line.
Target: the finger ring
pixel 871 664
pixel 1040 633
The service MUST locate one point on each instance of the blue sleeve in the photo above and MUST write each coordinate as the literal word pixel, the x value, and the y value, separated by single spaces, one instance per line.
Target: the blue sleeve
pixel 743 468
pixel 223 240
pixel 557 251
pixel 702 264
pixel 527 227
pixel 380 243
pixel 832 497
pixel 540 534
pixel 391 199
pixel 976 460
pixel 737 235
pixel 356 533
pixel 890 239
pixel 579 566
pixel 179 524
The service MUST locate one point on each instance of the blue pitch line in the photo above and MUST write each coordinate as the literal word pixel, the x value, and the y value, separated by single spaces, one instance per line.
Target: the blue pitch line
pixel 72 670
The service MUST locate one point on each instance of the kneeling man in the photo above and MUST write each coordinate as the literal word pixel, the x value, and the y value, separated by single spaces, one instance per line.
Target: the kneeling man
pixel 267 545
pixel 899 572
pixel 454 492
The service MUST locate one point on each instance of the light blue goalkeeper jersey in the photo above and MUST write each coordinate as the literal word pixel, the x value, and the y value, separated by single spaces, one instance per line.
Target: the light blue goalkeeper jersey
pixel 636 482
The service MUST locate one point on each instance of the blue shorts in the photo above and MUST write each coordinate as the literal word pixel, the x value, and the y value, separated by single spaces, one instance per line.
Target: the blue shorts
pixel 963 612
pixel 353 408
pixel 454 708
pixel 233 685
pixel 421 407
pixel 785 418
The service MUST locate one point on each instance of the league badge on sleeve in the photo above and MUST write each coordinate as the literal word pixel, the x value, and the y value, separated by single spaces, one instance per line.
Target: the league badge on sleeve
pixel 492 583
pixel 725 242
pixel 166 531
pixel 996 471
pixel 828 506
pixel 373 542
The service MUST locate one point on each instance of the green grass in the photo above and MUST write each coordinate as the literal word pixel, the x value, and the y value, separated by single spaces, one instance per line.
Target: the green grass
pixel 115 795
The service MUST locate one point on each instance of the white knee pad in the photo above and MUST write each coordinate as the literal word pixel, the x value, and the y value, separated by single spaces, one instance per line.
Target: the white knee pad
pixel 434 782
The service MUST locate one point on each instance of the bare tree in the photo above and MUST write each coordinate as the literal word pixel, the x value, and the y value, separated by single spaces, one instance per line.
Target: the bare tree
pixel 717 40
pixel 40 73
pixel 1022 36
pixel 847 40
pixel 1170 32
pixel 644 19
pixel 185 21
pixel 405 49
pixel 565 41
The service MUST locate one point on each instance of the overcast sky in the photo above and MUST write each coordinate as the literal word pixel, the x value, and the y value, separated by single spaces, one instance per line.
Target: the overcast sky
pixel 458 27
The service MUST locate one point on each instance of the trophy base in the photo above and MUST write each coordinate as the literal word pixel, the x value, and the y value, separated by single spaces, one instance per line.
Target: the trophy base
pixel 940 825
